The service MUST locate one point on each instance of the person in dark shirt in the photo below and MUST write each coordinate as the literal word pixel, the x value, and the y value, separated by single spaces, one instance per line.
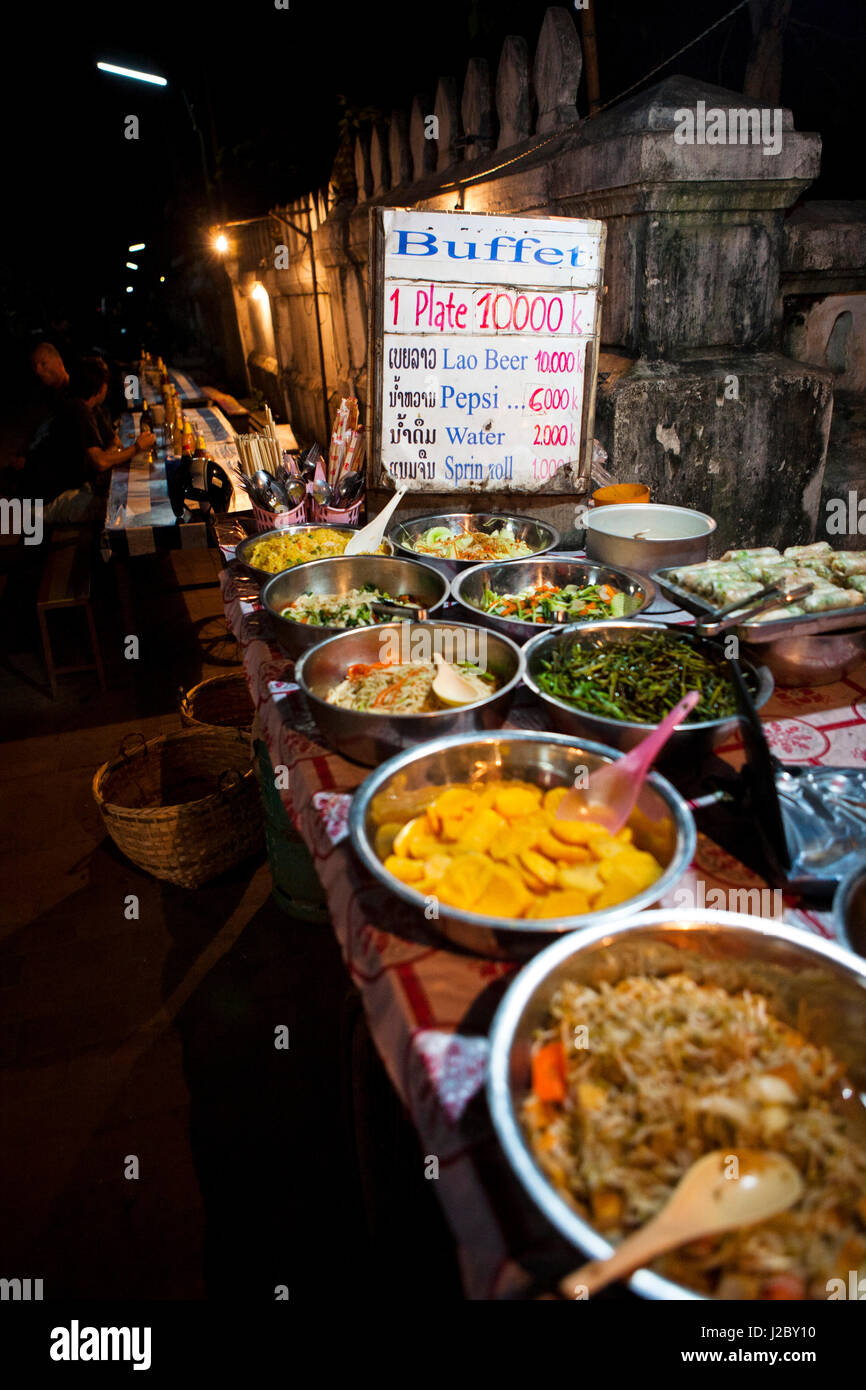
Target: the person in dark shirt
pixel 86 440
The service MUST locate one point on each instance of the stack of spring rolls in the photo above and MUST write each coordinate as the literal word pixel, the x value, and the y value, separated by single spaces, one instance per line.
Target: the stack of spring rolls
pixel 838 578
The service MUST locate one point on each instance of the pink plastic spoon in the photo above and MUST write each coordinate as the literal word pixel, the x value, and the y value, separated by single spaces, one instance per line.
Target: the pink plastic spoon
pixel 614 788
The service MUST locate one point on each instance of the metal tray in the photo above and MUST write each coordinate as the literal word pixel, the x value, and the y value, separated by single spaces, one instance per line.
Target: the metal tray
pixel 808 625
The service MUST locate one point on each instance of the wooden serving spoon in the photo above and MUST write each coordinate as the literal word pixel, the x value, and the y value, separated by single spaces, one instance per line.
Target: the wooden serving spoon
pixel 705 1202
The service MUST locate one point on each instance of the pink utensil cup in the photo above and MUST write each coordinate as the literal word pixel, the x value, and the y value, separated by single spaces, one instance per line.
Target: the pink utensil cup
pixel 613 789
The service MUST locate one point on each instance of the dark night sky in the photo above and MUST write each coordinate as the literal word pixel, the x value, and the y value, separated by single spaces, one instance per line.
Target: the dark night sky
pixel 79 193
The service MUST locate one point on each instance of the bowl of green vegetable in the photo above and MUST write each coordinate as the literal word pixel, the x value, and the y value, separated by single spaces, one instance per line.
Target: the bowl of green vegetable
pixel 313 601
pixel 615 682
pixel 524 597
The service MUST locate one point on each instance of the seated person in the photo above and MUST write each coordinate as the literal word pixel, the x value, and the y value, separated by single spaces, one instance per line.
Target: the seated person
pixel 87 447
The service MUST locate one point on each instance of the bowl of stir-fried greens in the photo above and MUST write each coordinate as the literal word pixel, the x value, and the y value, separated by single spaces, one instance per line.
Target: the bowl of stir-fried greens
pixel 615 681
pixel 313 601
pixel 525 597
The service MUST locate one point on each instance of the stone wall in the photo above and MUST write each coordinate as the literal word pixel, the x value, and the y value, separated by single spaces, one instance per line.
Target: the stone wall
pixel 698 395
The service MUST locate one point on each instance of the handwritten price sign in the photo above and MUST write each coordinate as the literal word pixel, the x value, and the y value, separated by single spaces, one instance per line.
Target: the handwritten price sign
pixel 485 335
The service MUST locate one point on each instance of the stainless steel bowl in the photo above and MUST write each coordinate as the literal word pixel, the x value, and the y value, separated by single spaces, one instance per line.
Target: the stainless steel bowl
pixel 813 985
pixel 540 535
pixel 337 576
pixel 245 546
pixel 849 909
pixel 687 745
pixel 549 760
pixel 817 659
pixel 676 535
pixel 467 588
pixel 369 737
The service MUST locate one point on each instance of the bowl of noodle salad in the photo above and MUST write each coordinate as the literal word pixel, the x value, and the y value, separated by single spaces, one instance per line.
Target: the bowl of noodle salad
pixel 459 539
pixel 622 1054
pixel 370 689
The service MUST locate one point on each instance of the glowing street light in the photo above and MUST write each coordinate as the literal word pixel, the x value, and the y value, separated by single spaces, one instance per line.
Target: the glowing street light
pixel 259 291
pixel 222 243
pixel 139 246
pixel 133 73
pixel 162 279
pixel 130 265
pixel 129 289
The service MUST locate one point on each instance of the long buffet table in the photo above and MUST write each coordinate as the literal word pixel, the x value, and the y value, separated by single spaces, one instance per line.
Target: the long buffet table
pixel 429 1008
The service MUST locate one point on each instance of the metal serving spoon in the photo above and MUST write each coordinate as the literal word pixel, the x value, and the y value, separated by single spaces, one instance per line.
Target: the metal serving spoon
pixel 322 492
pixel 707 1200
pixel 347 489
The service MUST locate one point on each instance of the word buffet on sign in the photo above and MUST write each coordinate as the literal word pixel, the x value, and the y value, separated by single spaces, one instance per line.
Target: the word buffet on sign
pixel 485 333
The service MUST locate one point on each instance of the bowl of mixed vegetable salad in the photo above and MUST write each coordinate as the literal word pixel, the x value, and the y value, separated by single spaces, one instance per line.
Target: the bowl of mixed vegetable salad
pixel 459 540
pixel 315 600
pixel 616 681
pixel 526 596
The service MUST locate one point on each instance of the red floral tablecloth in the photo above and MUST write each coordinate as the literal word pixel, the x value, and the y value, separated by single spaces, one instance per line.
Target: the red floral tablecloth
pixel 428 1007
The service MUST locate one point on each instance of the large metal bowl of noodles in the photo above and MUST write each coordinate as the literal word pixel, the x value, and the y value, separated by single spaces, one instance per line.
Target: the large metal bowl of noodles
pixel 814 986
pixel 370 736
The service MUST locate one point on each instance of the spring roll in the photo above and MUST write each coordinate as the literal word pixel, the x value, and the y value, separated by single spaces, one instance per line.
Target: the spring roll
pixel 772 615
pixel 857 582
pixel 757 554
pixel 699 578
pixel 725 591
pixel 849 562
pixel 799 552
pixel 825 599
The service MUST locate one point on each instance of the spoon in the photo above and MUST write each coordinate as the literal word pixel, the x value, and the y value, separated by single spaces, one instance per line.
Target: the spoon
pixel 706 1201
pixel 347 489
pixel 614 788
pixel 322 492
pixel 296 491
pixel 369 538
pixel 451 687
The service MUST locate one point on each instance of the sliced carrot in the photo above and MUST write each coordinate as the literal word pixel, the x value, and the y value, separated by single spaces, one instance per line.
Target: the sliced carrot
pixel 548 1072
pixel 784 1286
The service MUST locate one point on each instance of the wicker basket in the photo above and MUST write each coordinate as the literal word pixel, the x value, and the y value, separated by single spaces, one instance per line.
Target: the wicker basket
pixel 221 702
pixel 184 807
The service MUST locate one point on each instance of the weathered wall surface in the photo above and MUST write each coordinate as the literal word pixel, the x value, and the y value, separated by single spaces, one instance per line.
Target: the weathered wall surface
pixel 695 254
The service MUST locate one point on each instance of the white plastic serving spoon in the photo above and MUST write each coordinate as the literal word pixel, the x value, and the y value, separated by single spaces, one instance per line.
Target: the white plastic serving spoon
pixel 451 687
pixel 614 788
pixel 713 1195
pixel 369 538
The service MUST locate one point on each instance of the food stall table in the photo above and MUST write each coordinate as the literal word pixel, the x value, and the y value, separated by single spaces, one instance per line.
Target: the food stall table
pixel 429 1007
pixel 139 509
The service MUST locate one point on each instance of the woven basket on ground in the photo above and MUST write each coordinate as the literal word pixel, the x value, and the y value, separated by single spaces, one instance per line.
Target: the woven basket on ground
pixel 184 807
pixel 222 701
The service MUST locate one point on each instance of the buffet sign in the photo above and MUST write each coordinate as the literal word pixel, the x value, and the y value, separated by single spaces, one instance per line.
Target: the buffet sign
pixel 484 334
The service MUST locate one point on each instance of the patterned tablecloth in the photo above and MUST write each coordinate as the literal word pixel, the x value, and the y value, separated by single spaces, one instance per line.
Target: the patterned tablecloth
pixel 428 1007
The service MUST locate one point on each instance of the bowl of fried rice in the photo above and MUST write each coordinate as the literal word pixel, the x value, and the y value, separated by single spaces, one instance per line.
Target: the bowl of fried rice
pixel 621 1054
